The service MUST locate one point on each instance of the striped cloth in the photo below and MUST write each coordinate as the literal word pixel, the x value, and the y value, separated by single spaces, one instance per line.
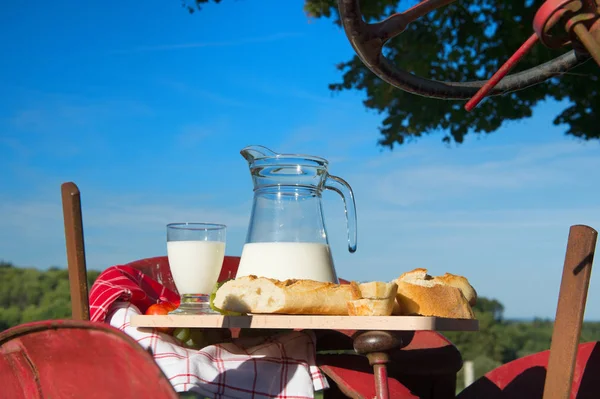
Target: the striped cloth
pixel 279 366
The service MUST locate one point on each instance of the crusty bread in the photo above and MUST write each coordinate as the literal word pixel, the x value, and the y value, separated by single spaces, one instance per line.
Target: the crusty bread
pixel 378 290
pixel 378 299
pixel 462 284
pixel 251 294
pixel 422 294
pixel 371 307
pixel 453 280
pixel 396 308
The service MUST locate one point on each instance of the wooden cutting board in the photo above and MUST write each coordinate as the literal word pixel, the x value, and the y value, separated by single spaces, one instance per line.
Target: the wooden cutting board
pixel 391 323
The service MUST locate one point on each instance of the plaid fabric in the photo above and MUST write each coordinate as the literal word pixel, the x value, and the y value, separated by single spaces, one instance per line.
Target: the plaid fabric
pixel 127 284
pixel 281 366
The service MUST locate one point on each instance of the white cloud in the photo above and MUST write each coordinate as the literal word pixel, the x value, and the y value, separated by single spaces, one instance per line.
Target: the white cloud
pixel 416 178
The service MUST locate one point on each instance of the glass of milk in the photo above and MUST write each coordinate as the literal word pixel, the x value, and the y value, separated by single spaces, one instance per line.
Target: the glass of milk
pixel 196 252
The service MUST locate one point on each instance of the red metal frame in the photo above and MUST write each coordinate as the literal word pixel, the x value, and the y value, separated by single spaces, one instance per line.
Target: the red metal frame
pixel 581 22
pixel 579 17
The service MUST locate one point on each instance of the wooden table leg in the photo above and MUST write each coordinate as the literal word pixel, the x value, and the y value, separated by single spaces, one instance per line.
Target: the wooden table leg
pixel 375 344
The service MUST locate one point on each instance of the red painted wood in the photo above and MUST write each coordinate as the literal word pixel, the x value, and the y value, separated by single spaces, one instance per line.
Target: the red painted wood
pixel 382 389
pixel 426 364
pixel 13 362
pixel 354 377
pixel 525 377
pixel 77 359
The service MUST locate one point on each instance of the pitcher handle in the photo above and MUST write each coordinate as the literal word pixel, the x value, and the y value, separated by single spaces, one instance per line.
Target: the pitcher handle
pixel 341 187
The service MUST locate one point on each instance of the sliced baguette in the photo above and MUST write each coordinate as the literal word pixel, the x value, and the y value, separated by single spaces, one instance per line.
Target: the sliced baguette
pixel 251 294
pixel 378 290
pixel 396 311
pixel 378 299
pixel 422 294
pixel 462 284
pixel 371 307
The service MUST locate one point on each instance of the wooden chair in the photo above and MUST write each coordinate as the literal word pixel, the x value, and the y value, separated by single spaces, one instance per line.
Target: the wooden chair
pixel 567 369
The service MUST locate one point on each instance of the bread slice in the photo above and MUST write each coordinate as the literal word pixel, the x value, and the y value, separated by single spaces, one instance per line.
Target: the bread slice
pixel 462 284
pixel 378 290
pixel 371 307
pixel 396 311
pixel 378 299
pixel 422 294
pixel 251 294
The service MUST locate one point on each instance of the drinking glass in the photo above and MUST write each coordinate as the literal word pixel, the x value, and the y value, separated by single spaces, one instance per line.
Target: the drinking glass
pixel 196 252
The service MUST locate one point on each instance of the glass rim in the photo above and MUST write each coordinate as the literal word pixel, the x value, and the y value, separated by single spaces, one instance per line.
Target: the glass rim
pixel 196 226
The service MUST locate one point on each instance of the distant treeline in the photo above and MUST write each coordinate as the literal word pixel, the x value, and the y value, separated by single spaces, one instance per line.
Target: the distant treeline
pixel 28 294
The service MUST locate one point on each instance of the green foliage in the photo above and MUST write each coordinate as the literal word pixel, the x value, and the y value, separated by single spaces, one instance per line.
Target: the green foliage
pixel 28 294
pixel 192 5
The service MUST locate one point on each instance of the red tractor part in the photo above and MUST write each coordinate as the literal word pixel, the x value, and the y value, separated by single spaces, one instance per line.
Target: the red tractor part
pixel 581 22
pixel 579 17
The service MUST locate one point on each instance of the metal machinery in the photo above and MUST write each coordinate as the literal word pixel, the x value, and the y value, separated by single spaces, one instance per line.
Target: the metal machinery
pixel 557 23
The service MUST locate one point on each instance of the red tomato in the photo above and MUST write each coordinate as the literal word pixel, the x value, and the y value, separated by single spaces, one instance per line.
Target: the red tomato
pixel 158 309
pixel 161 309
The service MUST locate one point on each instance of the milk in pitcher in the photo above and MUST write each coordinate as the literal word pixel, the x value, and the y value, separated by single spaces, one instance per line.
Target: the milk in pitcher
pixel 288 260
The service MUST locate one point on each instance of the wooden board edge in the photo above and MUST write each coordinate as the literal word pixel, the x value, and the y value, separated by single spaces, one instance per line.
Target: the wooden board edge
pixel 390 323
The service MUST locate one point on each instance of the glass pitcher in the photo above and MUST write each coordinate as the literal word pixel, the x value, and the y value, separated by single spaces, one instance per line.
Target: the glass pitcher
pixel 286 236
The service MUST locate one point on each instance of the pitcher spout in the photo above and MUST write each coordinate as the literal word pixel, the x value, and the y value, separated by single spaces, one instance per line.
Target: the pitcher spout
pixel 253 152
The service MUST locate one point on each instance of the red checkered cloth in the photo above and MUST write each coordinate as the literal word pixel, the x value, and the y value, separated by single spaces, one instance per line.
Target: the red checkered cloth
pixel 280 366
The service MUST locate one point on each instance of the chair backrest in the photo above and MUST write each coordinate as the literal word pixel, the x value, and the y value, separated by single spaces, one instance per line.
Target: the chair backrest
pixel 556 373
pixel 77 359
pixel 577 271
pixel 525 377
pixel 71 201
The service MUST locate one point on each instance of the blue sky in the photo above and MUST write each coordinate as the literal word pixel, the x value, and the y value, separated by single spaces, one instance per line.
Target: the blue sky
pixel 146 107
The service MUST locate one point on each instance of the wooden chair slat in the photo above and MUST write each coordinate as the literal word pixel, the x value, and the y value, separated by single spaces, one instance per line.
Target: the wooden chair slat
pixel 572 297
pixel 71 201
